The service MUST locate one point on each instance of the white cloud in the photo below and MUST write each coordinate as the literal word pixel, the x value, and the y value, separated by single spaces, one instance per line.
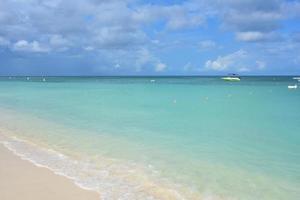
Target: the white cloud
pixel 184 21
pixel 59 41
pixel 160 67
pixel 143 57
pixel 256 36
pixel 176 16
pixel 23 45
pixel 104 24
pixel 190 67
pixel 207 45
pixel 253 20
pixel 263 21
pixel 250 36
pixel 228 62
pixel 118 37
pixel 133 31
pixel 118 23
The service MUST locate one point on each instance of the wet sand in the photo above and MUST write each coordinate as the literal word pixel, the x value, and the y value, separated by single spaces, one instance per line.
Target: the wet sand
pixel 21 180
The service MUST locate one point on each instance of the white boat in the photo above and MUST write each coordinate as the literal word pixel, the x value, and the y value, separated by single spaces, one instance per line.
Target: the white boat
pixel 229 78
pixel 296 78
pixel 292 86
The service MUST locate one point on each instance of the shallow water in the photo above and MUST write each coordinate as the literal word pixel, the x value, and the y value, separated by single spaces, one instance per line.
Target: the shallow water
pixel 172 138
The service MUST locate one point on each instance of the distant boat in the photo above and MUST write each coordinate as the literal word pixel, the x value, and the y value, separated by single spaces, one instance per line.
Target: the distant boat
pixel 292 86
pixel 296 78
pixel 231 77
pixel 152 81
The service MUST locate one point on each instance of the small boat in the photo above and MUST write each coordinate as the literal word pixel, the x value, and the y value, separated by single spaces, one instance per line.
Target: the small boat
pixel 296 78
pixel 292 86
pixel 152 81
pixel 231 77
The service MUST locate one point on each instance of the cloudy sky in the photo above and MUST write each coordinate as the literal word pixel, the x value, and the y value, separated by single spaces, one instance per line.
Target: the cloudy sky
pixel 136 37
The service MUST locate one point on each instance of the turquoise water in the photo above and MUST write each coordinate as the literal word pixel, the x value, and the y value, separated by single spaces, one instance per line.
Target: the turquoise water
pixel 172 138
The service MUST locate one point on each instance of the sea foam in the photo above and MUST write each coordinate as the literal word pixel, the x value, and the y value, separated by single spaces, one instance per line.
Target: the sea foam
pixel 114 182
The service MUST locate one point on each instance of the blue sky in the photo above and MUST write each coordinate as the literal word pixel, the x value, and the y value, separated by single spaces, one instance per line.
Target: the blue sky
pixel 135 37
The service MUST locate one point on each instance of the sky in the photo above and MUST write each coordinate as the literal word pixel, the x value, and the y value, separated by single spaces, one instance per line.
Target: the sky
pixel 137 37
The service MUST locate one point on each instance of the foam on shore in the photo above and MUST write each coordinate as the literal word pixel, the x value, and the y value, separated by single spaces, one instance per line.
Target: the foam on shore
pixel 111 180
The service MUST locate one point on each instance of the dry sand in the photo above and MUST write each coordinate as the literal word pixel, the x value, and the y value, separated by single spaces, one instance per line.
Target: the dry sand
pixel 21 180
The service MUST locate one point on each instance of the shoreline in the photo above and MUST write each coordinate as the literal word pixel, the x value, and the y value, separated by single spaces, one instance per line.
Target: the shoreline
pixel 59 164
pixel 21 179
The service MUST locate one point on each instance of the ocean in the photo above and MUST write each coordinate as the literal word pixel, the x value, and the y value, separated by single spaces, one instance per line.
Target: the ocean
pixel 159 137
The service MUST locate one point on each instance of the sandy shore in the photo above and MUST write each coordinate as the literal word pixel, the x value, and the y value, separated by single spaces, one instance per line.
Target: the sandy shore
pixel 21 180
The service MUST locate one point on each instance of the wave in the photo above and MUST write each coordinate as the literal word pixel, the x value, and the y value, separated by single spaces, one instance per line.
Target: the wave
pixel 110 178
